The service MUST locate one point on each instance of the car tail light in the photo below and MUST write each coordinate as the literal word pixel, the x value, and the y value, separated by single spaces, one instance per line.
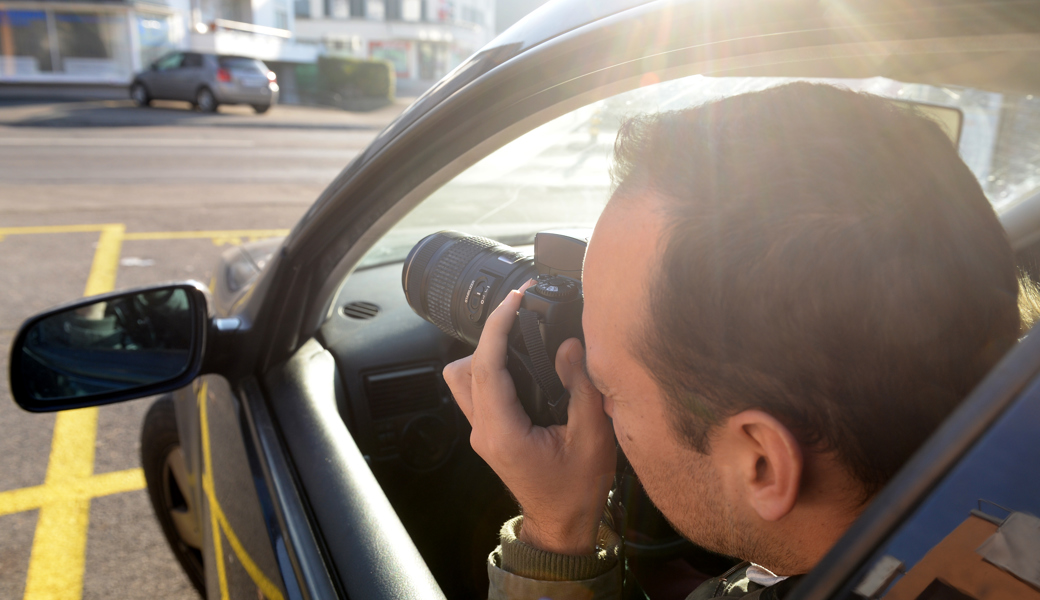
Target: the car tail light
pixel 224 75
pixel 271 76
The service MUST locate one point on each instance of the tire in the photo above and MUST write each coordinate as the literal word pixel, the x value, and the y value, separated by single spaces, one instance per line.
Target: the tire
pixel 139 94
pixel 205 101
pixel 164 470
pixel 261 108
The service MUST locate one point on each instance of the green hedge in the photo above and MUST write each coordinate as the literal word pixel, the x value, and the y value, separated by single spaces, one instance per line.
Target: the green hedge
pixel 344 81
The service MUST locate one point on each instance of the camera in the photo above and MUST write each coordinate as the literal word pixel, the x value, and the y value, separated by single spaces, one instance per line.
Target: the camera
pixel 454 281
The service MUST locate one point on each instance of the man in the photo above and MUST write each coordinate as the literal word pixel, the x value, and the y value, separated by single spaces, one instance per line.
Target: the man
pixel 786 294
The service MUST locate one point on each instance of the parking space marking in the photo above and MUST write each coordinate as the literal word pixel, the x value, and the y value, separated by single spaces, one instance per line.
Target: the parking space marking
pixel 59 549
pixel 220 238
pixel 6 231
pixel 219 522
pixel 124 142
pixel 106 484
pixel 58 556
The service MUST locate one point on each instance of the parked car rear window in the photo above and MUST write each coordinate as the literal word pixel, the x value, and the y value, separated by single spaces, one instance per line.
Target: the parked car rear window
pixel 239 63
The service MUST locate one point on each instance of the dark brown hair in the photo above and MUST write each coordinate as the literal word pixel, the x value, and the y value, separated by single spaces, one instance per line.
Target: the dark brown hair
pixel 829 259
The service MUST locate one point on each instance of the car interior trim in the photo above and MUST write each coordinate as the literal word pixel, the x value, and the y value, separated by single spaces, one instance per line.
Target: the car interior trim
pixel 897 501
pixel 301 550
pixel 373 554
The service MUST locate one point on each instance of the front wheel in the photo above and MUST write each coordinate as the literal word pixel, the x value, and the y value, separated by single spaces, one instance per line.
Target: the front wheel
pixel 167 476
pixel 261 108
pixel 139 94
pixel 205 100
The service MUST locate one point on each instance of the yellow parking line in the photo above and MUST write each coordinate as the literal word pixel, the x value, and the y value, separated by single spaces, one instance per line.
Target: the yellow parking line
pixel 5 231
pixel 59 547
pixel 106 484
pixel 53 229
pixel 217 517
pixel 220 237
pixel 233 237
pixel 58 557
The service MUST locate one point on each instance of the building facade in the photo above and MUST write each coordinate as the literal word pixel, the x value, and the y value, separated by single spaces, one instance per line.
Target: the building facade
pixel 105 42
pixel 424 39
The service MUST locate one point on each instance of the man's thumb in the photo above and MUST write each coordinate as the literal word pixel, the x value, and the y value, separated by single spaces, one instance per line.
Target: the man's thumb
pixel 586 401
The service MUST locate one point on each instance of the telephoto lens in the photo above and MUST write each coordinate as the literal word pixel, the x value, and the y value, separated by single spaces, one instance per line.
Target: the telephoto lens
pixel 454 280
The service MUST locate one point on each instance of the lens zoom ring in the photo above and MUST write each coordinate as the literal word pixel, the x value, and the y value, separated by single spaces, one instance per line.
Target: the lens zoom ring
pixel 446 276
pixel 418 265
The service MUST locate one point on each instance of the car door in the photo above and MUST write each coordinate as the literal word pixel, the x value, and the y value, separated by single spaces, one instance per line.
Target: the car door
pixel 962 520
pixel 162 76
pixel 185 80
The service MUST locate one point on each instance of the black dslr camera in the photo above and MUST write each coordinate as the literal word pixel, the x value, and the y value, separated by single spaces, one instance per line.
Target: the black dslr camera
pixel 454 281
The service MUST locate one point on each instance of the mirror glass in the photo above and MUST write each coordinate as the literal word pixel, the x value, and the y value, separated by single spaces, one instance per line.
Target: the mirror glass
pixel 116 344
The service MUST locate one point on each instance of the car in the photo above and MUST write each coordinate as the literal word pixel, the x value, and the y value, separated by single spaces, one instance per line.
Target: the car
pixel 306 445
pixel 207 81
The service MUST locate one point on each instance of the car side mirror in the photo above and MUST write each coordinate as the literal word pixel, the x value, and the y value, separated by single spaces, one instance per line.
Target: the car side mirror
pixel 110 348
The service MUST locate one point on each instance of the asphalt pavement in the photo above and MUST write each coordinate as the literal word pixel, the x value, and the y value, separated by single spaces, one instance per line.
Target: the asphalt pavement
pixel 176 188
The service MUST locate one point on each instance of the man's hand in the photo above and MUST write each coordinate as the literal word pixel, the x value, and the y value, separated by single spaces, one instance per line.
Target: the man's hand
pixel 561 474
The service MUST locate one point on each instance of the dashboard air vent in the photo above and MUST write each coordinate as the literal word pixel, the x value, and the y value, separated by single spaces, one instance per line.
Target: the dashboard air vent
pixel 361 310
pixel 400 392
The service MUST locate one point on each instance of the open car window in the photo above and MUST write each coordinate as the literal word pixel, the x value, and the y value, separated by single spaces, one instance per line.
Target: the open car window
pixel 557 175
pixel 977 535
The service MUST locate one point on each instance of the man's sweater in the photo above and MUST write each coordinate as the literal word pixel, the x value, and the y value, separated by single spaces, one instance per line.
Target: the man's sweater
pixel 519 571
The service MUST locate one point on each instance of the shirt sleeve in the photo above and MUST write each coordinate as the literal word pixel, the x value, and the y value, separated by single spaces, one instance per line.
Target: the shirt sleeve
pixel 518 571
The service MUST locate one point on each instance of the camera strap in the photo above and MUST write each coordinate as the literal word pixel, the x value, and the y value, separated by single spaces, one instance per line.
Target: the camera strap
pixel 541 365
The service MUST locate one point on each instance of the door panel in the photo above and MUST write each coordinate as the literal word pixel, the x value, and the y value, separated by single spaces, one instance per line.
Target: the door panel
pixel 161 79
pixel 366 543
pixel 186 79
pixel 240 560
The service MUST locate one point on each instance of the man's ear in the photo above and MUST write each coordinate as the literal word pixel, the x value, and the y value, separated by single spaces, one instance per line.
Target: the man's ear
pixel 768 462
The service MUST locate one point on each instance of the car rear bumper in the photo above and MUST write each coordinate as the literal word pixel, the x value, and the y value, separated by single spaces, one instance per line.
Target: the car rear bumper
pixel 232 93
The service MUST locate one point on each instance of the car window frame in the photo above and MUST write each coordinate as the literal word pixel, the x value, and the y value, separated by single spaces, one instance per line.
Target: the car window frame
pixel 167 57
pixel 190 55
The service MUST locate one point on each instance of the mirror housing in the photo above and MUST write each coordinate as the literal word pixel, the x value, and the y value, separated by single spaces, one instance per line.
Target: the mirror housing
pixel 110 348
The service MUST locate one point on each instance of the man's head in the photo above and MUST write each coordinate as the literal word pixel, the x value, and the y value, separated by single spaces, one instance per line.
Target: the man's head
pixel 787 293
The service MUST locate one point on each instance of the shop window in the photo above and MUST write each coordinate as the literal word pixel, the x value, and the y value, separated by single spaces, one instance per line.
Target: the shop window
pixel 154 33
pixel 92 44
pixel 337 9
pixel 24 43
pixel 411 10
pixel 375 10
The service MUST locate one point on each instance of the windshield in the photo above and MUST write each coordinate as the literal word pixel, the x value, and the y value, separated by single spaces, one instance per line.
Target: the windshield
pixel 558 175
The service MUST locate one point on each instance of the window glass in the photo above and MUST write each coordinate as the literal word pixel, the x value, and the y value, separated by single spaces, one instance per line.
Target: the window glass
pixel 557 175
pixel 24 43
pixel 155 34
pixel 92 44
pixel 170 61
pixel 239 63
pixel 192 60
pixel 977 536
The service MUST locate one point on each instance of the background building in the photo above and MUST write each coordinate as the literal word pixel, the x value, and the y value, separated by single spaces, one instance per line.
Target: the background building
pixel 106 41
pixel 53 41
pixel 424 39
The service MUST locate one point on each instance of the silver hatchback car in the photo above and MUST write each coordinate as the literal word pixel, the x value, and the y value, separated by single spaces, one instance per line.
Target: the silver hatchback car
pixel 207 81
